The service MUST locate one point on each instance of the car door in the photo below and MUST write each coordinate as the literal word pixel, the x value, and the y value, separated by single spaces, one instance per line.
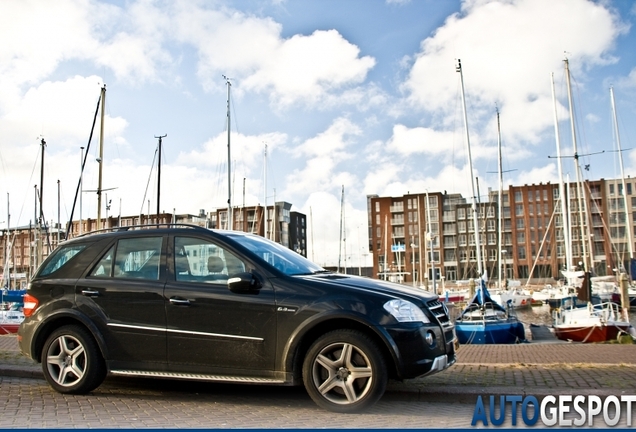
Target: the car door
pixel 211 329
pixel 123 294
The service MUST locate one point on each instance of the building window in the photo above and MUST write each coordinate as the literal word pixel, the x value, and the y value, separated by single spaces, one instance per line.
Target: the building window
pixel 521 252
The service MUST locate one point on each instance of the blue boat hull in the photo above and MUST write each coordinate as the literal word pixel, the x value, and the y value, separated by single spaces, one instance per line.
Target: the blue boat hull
pixel 484 332
pixel 12 296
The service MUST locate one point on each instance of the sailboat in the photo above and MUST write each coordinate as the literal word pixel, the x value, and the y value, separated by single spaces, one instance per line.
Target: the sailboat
pixel 506 294
pixel 483 321
pixel 588 322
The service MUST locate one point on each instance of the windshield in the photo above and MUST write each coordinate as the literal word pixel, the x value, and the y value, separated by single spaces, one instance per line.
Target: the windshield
pixel 285 260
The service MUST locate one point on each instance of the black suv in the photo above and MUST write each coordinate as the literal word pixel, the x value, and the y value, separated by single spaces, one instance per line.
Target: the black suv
pixel 184 302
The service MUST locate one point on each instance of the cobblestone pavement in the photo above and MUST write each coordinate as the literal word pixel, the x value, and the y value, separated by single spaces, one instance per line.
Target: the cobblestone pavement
pixel 444 400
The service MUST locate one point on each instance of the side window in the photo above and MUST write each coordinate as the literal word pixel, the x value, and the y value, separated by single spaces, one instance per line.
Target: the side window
pixel 104 267
pixel 60 257
pixel 198 260
pixel 138 258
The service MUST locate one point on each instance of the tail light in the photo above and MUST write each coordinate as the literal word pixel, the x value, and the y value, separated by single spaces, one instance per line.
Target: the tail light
pixel 30 305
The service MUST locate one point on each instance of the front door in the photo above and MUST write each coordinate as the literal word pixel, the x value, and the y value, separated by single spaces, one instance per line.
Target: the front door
pixel 211 329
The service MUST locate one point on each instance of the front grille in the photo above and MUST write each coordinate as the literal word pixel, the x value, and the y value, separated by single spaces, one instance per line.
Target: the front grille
pixel 440 312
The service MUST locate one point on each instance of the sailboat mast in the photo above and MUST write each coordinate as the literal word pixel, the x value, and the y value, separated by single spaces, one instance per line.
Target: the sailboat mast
pixel 579 189
pixel 470 171
pixel 159 174
pixel 311 217
pixel 630 241
pixel 562 190
pixel 43 145
pixel 100 161
pixel 229 159
pixel 500 202
pixel 386 243
pixel 7 243
pixel 267 236
pixel 419 241
pixel 340 239
pixel 430 242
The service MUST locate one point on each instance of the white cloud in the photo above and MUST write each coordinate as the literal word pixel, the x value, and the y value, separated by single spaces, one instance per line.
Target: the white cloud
pixel 421 140
pixel 507 49
pixel 323 154
pixel 301 69
pixel 61 112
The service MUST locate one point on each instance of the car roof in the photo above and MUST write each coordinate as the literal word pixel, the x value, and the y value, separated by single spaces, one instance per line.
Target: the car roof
pixel 151 229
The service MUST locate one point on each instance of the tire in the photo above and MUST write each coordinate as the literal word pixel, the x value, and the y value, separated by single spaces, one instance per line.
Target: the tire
pixel 72 362
pixel 344 371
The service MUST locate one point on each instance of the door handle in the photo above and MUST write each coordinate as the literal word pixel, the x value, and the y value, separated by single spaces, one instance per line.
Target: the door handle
pixel 90 293
pixel 180 302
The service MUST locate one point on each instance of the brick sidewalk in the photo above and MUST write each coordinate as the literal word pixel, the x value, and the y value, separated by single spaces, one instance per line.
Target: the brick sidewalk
pixel 532 368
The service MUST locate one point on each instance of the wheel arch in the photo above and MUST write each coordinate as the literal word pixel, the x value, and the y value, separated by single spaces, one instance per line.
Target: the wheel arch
pixel 300 342
pixel 60 319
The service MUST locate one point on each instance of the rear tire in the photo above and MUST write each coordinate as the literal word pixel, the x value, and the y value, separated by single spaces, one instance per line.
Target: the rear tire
pixel 344 371
pixel 72 362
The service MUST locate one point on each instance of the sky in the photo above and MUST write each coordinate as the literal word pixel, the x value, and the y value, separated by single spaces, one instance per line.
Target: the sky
pixel 325 95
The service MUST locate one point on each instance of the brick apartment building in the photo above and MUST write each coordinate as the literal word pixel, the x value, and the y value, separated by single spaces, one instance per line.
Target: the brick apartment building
pixel 409 236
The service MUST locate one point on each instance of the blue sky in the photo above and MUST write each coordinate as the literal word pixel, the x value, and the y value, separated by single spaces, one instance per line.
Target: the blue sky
pixel 361 94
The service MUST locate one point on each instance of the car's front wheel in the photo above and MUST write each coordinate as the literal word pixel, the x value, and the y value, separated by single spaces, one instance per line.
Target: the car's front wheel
pixel 71 361
pixel 344 371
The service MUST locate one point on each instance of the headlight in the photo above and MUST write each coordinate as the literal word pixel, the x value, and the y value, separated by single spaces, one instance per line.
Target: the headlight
pixel 405 311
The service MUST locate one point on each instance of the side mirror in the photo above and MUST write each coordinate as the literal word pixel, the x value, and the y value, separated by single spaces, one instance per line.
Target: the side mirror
pixel 244 283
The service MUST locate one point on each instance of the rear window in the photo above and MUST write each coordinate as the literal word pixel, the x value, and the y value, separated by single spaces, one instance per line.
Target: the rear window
pixel 60 257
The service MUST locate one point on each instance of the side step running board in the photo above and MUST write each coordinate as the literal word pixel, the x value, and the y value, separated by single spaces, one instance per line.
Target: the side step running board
pixel 198 377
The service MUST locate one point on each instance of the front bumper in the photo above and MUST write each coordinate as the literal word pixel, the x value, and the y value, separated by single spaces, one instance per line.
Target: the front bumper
pixel 415 356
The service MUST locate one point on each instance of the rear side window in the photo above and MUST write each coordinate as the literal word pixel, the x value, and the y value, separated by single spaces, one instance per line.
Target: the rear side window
pixel 60 257
pixel 138 258
pixel 135 258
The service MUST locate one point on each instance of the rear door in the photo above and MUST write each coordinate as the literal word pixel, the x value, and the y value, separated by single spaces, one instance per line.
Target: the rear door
pixel 123 293
pixel 211 329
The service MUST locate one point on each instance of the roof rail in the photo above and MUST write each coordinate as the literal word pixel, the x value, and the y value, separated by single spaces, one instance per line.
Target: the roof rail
pixel 141 227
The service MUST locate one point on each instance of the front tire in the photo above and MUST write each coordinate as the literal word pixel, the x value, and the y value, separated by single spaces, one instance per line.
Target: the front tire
pixel 72 362
pixel 344 371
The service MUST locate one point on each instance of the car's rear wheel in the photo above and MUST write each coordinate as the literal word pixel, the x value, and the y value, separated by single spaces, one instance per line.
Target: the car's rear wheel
pixel 71 361
pixel 344 371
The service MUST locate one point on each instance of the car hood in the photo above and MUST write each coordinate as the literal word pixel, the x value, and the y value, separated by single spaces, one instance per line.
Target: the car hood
pixel 375 285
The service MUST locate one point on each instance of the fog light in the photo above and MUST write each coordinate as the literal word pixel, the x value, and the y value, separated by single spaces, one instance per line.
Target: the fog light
pixel 430 338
